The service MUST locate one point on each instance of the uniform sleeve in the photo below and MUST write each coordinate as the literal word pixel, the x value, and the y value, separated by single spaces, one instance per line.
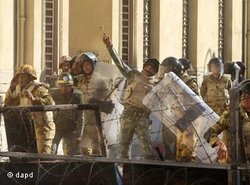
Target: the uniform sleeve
pixel 211 136
pixel 229 84
pixel 42 97
pixel 194 86
pixel 203 89
pixel 12 98
pixel 123 68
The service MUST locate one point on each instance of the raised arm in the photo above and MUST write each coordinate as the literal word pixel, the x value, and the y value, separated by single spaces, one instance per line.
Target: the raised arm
pixel 123 68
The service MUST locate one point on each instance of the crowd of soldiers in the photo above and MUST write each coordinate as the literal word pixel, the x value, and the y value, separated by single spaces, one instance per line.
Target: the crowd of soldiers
pixel 77 84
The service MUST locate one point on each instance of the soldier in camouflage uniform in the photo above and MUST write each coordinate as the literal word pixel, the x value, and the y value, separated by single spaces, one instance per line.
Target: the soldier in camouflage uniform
pixel 64 66
pixel 223 125
pixel 215 87
pixel 186 141
pixel 65 63
pixel 94 90
pixel 25 92
pixel 69 123
pixel 135 116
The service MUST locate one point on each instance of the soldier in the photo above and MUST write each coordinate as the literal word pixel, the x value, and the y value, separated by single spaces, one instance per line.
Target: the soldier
pixel 65 63
pixel 236 70
pixel 223 125
pixel 27 92
pixel 69 124
pixel 186 141
pixel 174 65
pixel 94 90
pixel 76 67
pixel 187 66
pixel 64 66
pixel 135 116
pixel 215 87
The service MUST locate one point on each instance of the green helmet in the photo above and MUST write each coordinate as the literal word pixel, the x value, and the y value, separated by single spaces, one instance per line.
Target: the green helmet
pixel 65 78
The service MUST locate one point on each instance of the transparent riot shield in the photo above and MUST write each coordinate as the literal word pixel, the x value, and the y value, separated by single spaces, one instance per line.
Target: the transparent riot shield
pixel 109 82
pixel 174 104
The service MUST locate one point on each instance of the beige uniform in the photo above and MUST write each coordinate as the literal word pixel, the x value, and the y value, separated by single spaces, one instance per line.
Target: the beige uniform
pixel 223 125
pixel 93 88
pixel 43 121
pixel 215 92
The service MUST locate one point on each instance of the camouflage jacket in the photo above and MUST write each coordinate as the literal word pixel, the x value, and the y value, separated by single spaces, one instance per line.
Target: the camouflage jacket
pixel 68 120
pixel 215 92
pixel 44 125
pixel 137 85
pixel 223 126
pixel 191 82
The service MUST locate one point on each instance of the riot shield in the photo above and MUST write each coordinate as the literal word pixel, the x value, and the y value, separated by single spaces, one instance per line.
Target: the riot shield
pixel 108 80
pixel 20 131
pixel 179 109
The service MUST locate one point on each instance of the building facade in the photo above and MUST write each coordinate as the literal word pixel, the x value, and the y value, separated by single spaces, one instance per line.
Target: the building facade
pixel 38 32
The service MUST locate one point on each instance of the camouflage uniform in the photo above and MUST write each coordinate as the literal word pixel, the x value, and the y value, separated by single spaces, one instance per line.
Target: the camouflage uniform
pixel 215 92
pixel 187 140
pixel 135 117
pixel 182 146
pixel 190 81
pixel 69 123
pixel 43 121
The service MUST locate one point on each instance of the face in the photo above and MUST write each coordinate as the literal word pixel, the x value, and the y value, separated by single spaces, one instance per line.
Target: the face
pixel 65 67
pixel 215 69
pixel 23 80
pixel 245 100
pixel 148 70
pixel 87 67
pixel 65 89
pixel 76 67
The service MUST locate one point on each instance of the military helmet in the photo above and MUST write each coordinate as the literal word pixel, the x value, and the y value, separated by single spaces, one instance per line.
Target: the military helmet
pixel 229 67
pixel 173 65
pixel 154 63
pixel 217 61
pixel 185 62
pixel 64 59
pixel 27 69
pixel 88 56
pixel 65 78
pixel 245 87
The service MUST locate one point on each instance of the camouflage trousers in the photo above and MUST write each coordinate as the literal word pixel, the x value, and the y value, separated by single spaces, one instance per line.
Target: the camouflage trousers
pixel 44 137
pixel 169 141
pixel 186 144
pixel 70 146
pixel 134 121
pixel 44 146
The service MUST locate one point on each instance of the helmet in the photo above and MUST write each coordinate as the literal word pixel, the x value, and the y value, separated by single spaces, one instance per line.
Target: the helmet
pixel 185 62
pixel 27 69
pixel 154 63
pixel 217 61
pixel 229 67
pixel 88 56
pixel 65 78
pixel 244 87
pixel 242 67
pixel 64 59
pixel 172 64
